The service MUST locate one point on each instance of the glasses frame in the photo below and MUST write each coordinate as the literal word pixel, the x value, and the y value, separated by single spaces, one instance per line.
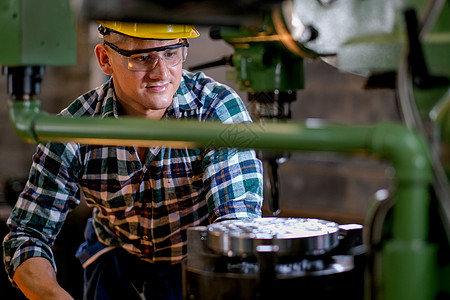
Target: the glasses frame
pixel 128 53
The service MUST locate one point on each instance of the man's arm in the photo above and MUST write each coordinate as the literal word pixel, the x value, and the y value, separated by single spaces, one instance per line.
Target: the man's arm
pixel 36 278
pixel 235 181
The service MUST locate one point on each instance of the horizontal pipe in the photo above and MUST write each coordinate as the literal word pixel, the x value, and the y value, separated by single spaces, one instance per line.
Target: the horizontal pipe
pixel 405 149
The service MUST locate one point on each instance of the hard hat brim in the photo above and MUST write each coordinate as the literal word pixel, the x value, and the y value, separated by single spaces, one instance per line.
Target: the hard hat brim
pixel 152 31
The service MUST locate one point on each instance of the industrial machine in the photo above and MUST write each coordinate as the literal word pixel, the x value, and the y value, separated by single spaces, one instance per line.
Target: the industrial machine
pixel 403 44
pixel 274 258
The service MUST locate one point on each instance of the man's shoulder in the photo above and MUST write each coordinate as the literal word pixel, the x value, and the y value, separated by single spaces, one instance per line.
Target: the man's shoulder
pixel 200 83
pixel 219 101
pixel 88 103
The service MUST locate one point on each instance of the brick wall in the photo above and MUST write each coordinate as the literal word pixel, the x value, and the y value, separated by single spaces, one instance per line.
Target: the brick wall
pixel 334 186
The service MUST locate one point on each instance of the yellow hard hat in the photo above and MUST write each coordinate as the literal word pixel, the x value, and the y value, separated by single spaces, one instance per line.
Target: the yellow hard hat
pixel 149 31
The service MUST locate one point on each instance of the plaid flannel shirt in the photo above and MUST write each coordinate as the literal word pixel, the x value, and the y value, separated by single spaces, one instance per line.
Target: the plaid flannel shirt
pixel 144 207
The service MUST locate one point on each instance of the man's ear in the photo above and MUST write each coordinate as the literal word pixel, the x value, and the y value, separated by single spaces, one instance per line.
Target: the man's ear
pixel 104 61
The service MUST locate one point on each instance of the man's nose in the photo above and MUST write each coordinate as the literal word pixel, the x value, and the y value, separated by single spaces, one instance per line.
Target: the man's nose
pixel 160 70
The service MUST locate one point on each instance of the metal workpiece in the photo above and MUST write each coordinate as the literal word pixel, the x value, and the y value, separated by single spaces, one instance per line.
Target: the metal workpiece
pixel 241 238
pixel 244 281
pixel 270 258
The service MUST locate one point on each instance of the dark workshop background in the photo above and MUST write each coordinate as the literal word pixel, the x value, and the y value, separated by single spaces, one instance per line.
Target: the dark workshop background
pixel 326 186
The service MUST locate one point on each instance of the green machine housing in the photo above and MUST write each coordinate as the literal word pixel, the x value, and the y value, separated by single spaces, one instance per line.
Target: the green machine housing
pixel 35 33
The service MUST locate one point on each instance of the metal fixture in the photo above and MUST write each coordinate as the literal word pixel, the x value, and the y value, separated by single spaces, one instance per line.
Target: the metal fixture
pixel 272 258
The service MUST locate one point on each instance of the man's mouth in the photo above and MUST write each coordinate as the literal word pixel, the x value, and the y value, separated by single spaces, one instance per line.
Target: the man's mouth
pixel 158 87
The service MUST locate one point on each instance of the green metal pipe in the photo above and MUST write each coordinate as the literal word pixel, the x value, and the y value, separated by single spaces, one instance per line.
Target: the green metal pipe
pixel 406 150
pixel 32 125
pixel 440 114
pixel 409 154
pixel 22 115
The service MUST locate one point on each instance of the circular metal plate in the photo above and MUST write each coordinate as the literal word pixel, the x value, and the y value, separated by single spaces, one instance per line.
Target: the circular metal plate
pixel 291 236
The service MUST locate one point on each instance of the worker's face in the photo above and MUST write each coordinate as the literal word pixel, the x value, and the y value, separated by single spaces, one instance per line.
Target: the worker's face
pixel 148 92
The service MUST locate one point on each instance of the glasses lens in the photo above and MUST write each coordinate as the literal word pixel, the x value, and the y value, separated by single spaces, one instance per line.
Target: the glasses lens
pixel 148 61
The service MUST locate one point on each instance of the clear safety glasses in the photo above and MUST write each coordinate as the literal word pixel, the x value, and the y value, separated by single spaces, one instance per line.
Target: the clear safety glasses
pixel 145 60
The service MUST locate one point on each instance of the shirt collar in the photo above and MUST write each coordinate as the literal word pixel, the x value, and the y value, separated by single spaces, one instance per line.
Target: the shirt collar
pixel 110 105
pixel 185 99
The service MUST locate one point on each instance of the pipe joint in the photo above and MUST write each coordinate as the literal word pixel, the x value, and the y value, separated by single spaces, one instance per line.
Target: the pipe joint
pixel 22 115
pixel 406 149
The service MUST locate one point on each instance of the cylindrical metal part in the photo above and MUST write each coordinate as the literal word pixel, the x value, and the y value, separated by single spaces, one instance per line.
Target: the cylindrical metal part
pixel 24 82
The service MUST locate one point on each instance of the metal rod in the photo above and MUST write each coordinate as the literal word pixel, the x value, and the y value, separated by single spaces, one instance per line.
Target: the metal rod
pixel 402 146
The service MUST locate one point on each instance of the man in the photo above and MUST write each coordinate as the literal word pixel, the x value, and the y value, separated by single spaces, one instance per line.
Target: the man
pixel 143 199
